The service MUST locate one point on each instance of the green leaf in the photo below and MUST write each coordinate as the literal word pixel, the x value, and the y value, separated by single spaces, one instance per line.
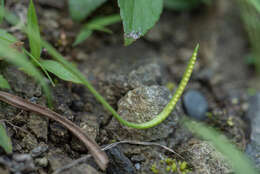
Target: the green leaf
pixel 5 141
pixel 98 23
pixel 80 9
pixel 2 10
pixel 33 32
pixel 138 17
pixel 239 162
pixel 37 62
pixel 3 83
pixel 11 18
pixel 59 70
pixel 83 35
pixel 17 58
pixel 4 35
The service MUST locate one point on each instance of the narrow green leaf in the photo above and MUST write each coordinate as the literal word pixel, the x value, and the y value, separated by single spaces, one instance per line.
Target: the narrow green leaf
pixel 3 83
pixel 2 10
pixel 99 24
pixel 80 9
pixel 83 35
pixel 138 17
pixel 4 35
pixel 33 32
pixel 11 18
pixel 12 56
pixel 105 20
pixel 59 70
pixel 5 141
pixel 40 65
pixel 239 162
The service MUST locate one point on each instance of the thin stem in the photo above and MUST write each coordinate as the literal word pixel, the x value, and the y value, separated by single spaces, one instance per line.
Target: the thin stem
pixel 158 119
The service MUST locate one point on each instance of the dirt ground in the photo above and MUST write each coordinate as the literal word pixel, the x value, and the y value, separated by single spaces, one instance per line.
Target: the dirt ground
pixel 221 74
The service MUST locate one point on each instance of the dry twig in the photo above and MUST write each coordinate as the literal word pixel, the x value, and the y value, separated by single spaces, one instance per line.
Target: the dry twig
pixel 99 155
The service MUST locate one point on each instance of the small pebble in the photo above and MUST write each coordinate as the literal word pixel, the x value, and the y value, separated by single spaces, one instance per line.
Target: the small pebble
pixel 22 157
pixel 253 115
pixel 195 104
pixel 39 150
pixel 42 162
pixel 137 166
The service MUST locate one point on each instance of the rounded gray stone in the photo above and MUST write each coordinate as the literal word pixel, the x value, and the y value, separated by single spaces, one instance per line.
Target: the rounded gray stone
pixel 195 104
pixel 141 105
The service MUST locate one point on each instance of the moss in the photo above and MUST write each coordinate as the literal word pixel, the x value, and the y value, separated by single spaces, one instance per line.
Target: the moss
pixel 170 86
pixel 170 166
pixel 154 169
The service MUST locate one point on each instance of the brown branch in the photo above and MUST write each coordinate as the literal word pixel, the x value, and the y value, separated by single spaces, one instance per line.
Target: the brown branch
pixel 100 156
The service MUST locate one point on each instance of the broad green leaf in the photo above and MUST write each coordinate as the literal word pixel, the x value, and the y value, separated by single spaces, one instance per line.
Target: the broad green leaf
pixel 59 70
pixel 98 23
pixel 5 141
pixel 239 162
pixel 138 17
pixel 3 83
pixel 80 9
pixel 33 32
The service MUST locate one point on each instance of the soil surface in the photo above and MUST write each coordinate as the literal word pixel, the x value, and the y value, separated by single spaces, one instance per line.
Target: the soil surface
pixel 134 81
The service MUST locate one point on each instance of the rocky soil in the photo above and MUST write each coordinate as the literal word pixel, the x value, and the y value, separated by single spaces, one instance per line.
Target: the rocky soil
pixel 135 80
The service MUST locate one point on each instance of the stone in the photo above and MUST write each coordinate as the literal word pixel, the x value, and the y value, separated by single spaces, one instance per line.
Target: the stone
pixel 39 126
pixel 146 74
pixel 253 114
pixel 141 105
pixel 23 163
pixel 205 158
pixel 253 151
pixel 42 162
pixel 58 133
pixel 89 125
pixel 39 150
pixel 195 104
pixel 119 163
pixel 29 142
pixel 57 159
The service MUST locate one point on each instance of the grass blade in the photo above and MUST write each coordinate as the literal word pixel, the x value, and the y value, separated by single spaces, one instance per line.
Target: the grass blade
pixel 59 70
pixel 99 24
pixel 80 9
pixel 33 32
pixel 2 10
pixel 4 83
pixel 17 58
pixel 239 162
pixel 5 141
pixel 40 65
